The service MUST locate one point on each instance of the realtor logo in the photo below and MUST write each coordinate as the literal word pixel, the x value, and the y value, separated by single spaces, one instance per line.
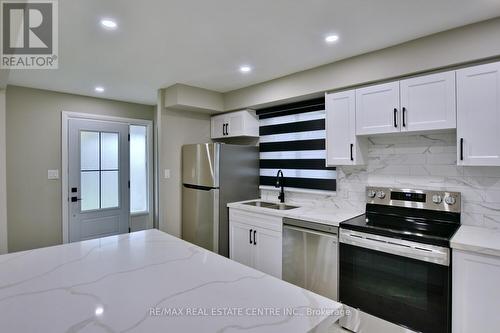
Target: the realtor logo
pixel 29 34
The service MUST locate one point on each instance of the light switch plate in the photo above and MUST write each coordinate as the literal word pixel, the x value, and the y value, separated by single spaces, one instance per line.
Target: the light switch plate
pixel 167 173
pixel 53 174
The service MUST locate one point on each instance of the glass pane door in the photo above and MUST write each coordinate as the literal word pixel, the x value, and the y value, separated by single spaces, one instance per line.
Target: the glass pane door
pixel 99 170
pixel 404 291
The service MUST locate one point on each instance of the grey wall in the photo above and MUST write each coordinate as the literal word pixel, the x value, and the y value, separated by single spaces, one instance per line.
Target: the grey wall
pixel 179 127
pixel 457 46
pixel 34 146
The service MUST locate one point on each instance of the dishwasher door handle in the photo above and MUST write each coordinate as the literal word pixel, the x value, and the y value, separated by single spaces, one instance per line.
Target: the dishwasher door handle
pixel 310 231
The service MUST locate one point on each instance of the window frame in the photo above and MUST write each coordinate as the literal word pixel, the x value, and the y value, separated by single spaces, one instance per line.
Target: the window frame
pixel 149 171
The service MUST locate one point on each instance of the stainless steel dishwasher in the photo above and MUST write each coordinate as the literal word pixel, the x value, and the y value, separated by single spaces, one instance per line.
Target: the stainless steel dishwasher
pixel 310 256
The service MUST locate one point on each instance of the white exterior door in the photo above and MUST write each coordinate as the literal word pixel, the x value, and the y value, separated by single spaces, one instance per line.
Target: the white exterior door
pixel 377 109
pixel 98 182
pixel 478 115
pixel 268 247
pixel 428 102
pixel 241 243
pixel 340 128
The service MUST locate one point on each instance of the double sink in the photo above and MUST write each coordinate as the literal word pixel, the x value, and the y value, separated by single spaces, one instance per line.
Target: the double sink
pixel 270 205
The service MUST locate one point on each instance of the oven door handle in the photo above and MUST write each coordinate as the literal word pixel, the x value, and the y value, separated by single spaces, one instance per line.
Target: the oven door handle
pixel 424 252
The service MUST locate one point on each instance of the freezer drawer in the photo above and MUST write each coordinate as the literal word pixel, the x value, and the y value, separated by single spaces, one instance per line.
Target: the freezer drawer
pixel 310 259
pixel 200 164
pixel 200 216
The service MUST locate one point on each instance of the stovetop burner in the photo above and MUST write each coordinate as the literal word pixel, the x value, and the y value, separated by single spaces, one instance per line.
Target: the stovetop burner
pixel 428 217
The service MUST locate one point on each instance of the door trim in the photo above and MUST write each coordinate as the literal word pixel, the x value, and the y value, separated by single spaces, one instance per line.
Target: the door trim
pixel 3 174
pixel 66 116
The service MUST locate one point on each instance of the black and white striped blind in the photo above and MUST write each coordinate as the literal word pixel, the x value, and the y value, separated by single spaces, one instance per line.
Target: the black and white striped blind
pixel 292 138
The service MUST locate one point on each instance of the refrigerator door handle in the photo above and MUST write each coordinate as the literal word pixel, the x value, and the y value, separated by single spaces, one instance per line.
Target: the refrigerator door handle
pixel 215 221
pixel 199 187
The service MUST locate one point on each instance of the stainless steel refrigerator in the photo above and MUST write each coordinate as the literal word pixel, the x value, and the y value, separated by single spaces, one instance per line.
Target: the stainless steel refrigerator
pixel 214 174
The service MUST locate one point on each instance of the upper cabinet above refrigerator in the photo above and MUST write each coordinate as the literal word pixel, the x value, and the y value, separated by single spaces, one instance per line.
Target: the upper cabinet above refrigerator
pixel 243 123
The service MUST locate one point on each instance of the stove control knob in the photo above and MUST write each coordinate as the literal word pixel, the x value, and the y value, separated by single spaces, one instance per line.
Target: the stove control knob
pixel 437 199
pixel 380 194
pixel 450 200
pixel 371 194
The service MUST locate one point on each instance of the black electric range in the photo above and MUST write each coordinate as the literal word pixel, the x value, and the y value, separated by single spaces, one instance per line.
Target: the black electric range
pixel 419 225
pixel 395 260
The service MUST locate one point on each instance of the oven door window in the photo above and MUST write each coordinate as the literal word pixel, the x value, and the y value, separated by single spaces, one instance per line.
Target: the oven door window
pixel 404 291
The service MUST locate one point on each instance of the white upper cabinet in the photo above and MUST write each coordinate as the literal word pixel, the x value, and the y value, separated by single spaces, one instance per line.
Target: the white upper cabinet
pixel 218 126
pixel 428 102
pixel 235 124
pixel 342 145
pixel 478 115
pixel 377 109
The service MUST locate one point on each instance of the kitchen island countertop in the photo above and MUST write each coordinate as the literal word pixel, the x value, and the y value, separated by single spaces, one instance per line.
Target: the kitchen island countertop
pixel 149 281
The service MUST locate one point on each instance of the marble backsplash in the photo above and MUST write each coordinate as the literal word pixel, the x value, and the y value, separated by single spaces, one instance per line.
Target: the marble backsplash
pixel 419 162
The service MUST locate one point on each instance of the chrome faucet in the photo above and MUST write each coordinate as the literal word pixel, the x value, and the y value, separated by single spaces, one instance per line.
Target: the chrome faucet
pixel 280 182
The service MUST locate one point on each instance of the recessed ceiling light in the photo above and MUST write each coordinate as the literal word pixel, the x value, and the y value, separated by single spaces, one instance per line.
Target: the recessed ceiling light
pixel 99 311
pixel 245 69
pixel 99 89
pixel 331 38
pixel 109 24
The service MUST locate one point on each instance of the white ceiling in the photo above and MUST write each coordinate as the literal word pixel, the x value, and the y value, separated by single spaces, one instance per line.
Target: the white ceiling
pixel 202 43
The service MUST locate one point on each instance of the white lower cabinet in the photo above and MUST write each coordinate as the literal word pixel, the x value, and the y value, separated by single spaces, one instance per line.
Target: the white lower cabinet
pixel 267 252
pixel 255 240
pixel 241 245
pixel 476 292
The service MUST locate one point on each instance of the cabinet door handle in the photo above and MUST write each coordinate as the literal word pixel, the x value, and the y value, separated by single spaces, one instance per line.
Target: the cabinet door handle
pixel 461 149
pixel 404 117
pixel 224 129
pixel 352 156
pixel 251 236
pixel 395 117
pixel 254 238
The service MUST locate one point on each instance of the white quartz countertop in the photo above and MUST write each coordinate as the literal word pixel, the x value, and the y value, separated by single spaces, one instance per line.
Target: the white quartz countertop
pixel 477 239
pixel 149 281
pixel 324 215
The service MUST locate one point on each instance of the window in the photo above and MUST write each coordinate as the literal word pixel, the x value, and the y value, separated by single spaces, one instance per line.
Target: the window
pixel 99 170
pixel 292 138
pixel 138 170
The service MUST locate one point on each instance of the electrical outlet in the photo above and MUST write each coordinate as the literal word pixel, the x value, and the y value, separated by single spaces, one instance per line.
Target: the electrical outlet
pixel 53 174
